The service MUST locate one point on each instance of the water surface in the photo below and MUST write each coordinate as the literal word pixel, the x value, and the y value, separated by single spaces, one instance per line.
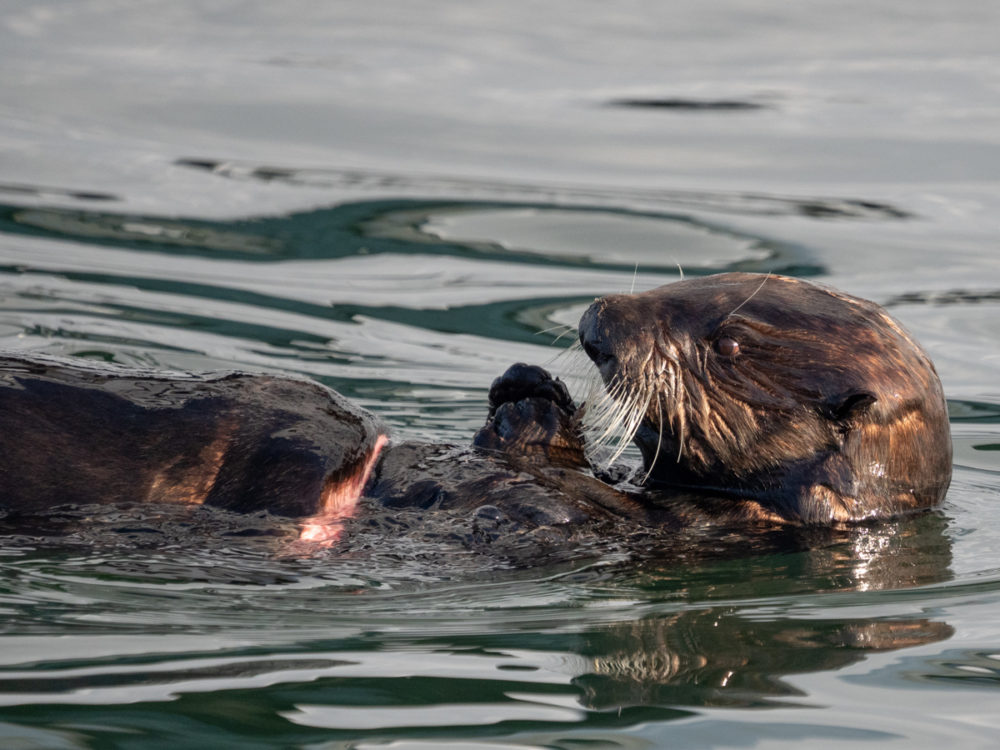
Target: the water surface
pixel 400 201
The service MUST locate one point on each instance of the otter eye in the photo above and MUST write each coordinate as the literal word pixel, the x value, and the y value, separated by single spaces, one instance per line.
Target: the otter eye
pixel 727 346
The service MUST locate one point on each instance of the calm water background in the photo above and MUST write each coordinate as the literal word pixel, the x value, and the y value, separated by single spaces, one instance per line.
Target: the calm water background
pixel 396 198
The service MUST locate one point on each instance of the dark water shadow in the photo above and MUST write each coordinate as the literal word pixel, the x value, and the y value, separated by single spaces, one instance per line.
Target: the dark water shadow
pixel 950 297
pixel 681 104
pixel 47 192
pixel 369 230
pixel 735 202
pixel 405 226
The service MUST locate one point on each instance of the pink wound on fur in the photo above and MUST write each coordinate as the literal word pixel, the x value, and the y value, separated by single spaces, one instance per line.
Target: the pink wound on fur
pixel 339 502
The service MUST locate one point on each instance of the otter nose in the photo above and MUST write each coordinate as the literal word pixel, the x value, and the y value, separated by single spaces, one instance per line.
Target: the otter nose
pixel 597 346
pixel 599 355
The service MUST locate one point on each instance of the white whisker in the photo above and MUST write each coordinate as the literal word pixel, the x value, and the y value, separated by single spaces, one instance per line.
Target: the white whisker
pixel 659 439
pixel 555 328
pixel 569 329
pixel 733 312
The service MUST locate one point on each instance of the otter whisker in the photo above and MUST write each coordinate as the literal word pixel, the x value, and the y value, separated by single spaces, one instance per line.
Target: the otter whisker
pixel 659 439
pixel 572 361
pixel 556 327
pixel 615 415
pixel 578 360
pixel 682 404
pixel 754 294
pixel 631 427
pixel 568 330
pixel 601 412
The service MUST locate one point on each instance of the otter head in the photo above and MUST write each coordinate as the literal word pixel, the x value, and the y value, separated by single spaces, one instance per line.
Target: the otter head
pixel 815 405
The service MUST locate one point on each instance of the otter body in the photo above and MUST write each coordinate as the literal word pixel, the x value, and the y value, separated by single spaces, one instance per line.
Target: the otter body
pixel 812 405
pixel 73 432
pixel 755 399
pixel 77 433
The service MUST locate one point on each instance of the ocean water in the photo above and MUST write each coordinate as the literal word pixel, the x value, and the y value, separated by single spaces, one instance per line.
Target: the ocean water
pixel 400 199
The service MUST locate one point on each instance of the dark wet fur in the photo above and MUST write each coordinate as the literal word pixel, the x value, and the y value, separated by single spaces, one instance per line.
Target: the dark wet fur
pixel 78 433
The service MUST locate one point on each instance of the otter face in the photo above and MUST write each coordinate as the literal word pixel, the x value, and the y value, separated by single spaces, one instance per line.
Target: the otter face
pixel 816 404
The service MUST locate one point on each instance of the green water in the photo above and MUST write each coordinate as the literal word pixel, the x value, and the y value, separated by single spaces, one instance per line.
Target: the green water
pixel 400 201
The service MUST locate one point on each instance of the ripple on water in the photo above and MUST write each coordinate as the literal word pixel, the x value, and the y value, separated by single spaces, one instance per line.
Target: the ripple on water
pixel 415 305
pixel 400 300
pixel 596 237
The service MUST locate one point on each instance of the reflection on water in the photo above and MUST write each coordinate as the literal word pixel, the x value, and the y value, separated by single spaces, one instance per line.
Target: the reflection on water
pixel 400 200
pixel 713 658
pixel 586 237
pixel 603 632
pixel 43 193
pixel 594 237
pixel 102 228
pixel 413 307
pixel 727 655
pixel 608 644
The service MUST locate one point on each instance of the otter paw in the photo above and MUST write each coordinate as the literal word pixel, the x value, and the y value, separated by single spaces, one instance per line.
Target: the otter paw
pixel 522 381
pixel 532 418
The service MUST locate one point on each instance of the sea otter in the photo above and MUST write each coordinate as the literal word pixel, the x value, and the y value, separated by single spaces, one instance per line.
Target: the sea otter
pixel 752 398
pixel 808 404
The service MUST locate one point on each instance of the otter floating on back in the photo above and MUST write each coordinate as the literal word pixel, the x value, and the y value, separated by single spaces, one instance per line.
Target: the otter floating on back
pixel 751 398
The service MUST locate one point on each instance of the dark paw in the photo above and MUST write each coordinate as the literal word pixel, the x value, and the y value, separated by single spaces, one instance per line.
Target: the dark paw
pixel 532 418
pixel 522 382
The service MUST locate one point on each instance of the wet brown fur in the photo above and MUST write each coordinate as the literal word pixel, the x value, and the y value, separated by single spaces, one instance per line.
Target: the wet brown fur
pixel 73 432
pixel 830 411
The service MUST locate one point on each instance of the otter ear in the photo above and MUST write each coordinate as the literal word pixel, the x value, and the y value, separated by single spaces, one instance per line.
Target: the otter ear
pixel 847 405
